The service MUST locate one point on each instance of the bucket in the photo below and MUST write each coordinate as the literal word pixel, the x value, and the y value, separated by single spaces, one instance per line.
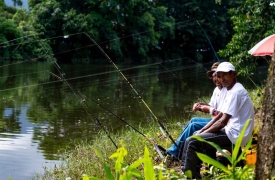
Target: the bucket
pixel 251 156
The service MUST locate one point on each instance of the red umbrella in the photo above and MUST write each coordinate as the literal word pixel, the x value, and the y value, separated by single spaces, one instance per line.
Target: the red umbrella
pixel 264 47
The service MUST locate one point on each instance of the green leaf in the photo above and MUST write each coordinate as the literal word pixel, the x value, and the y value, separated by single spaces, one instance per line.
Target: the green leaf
pixel 160 175
pixel 94 178
pixel 108 172
pixel 188 173
pixel 238 144
pixel 85 177
pixel 148 166
pixel 119 154
pixel 214 145
pixel 211 161
pixel 136 163
pixel 99 155
pixel 106 167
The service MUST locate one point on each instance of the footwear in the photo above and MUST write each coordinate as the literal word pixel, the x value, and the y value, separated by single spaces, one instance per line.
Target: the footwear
pixel 168 160
pixel 158 160
pixel 171 161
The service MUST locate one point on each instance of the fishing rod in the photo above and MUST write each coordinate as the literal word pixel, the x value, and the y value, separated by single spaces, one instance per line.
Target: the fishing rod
pixel 77 94
pixel 133 89
pixel 157 147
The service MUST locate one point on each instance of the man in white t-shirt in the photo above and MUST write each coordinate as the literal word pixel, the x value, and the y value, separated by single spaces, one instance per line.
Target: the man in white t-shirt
pixel 225 128
pixel 197 123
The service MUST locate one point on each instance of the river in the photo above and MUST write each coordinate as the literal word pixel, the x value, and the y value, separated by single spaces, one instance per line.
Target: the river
pixel 42 115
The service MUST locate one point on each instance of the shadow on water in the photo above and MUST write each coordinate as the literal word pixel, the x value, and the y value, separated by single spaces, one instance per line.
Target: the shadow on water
pixel 41 116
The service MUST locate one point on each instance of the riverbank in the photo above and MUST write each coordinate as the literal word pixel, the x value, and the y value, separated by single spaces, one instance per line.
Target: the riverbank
pixel 83 159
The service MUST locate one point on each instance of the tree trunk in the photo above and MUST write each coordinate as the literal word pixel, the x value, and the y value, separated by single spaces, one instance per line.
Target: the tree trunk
pixel 265 165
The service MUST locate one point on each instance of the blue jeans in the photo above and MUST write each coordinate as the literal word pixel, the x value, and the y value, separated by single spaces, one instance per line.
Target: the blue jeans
pixel 193 125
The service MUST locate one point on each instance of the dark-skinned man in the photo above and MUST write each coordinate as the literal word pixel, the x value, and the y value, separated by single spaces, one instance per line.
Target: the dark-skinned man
pixel 224 129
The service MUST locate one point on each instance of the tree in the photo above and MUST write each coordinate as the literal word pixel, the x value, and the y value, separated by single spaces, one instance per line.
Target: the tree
pixel 16 35
pixel 8 32
pixel 253 21
pixel 105 21
pixel 17 3
pixel 265 168
pixel 190 39
pixel 2 4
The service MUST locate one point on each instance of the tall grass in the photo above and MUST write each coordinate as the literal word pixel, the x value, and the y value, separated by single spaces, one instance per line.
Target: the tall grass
pixel 83 159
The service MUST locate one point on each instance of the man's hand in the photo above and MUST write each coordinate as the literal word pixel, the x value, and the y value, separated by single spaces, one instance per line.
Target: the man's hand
pixel 201 107
pixel 196 107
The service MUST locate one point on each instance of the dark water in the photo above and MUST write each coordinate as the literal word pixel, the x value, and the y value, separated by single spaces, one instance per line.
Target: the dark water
pixel 42 115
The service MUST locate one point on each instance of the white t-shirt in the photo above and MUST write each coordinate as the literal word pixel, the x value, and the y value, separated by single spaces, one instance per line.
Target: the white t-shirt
pixel 238 104
pixel 216 98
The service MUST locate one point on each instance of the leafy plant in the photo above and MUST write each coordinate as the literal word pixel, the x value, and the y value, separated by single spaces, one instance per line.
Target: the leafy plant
pixel 230 172
pixel 142 168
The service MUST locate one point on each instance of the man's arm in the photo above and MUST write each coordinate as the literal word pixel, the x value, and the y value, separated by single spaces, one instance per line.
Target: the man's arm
pixel 221 122
pixel 208 125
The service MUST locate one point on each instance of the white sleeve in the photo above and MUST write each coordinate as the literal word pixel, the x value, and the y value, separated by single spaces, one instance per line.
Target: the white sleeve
pixel 213 100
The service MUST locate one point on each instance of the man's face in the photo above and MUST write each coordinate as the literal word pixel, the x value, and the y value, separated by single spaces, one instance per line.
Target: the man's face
pixel 216 82
pixel 227 79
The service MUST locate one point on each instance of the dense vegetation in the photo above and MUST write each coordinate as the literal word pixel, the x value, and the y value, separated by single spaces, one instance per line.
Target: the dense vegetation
pixel 132 30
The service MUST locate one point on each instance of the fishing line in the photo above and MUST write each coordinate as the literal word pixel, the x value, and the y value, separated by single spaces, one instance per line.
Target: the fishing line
pixel 2 90
pixel 124 69
pixel 77 94
pixel 133 89
pixel 115 115
pixel 103 42
pixel 18 62
pixel 22 74
pixel 55 37
pixel 115 39
pixel 17 39
pixel 209 41
pixel 91 75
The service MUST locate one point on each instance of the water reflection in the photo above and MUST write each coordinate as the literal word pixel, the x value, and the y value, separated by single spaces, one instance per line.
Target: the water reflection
pixel 19 153
pixel 41 116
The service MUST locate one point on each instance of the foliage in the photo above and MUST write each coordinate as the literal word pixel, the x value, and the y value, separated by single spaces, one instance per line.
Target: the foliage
pixel 231 172
pixel 190 40
pixel 151 29
pixel 18 38
pixel 253 20
pixel 256 96
pixel 80 160
pixel 103 21
pixel 140 169
pixel 9 32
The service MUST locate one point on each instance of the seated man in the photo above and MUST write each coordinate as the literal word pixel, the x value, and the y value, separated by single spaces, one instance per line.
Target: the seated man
pixel 196 124
pixel 225 128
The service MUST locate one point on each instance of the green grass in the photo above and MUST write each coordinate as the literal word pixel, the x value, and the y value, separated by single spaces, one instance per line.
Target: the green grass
pixel 83 159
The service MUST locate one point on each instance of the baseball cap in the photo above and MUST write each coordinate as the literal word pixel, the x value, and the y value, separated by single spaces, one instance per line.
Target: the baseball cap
pixel 225 67
pixel 213 69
